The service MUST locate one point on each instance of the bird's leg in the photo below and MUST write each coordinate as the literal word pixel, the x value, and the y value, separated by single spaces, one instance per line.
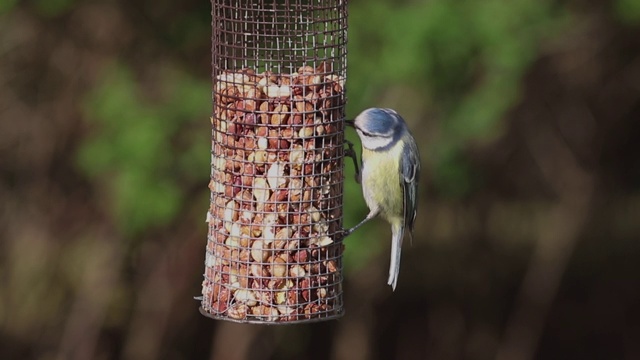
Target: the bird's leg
pixel 371 215
pixel 352 154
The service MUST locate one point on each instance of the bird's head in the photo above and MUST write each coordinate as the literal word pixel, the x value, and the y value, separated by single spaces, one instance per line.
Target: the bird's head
pixel 378 128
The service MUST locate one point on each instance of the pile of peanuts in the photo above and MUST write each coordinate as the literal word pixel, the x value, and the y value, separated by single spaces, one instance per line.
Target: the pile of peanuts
pixel 274 247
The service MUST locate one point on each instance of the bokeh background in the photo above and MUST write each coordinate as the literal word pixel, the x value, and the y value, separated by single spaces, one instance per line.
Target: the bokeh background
pixel 527 113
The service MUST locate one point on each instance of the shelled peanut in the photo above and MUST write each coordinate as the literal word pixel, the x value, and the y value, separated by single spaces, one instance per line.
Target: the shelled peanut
pixel 274 251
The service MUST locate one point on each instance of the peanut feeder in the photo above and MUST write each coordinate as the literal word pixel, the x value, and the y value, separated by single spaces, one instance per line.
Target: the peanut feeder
pixel 274 245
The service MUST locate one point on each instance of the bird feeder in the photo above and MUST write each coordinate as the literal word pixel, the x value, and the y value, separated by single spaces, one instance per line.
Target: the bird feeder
pixel 274 246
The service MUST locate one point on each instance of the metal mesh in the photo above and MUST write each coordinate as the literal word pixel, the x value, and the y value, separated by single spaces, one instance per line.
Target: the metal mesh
pixel 274 249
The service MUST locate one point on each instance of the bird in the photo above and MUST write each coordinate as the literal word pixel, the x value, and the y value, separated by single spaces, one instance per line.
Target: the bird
pixel 389 175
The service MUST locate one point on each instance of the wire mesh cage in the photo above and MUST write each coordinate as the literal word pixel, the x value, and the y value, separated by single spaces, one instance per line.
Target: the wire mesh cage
pixel 274 248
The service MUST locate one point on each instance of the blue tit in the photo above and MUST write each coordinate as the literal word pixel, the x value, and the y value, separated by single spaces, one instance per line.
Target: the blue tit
pixel 389 175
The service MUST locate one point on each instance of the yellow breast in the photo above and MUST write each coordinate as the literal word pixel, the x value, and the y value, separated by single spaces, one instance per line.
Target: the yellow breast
pixel 381 182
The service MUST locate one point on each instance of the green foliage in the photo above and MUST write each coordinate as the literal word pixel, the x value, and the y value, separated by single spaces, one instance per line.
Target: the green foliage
pixel 190 30
pixel 7 5
pixel 53 7
pixel 145 153
pixel 628 11
pixel 466 58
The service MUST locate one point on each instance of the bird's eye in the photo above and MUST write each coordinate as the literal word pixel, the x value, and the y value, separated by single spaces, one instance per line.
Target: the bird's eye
pixel 368 134
pixel 376 135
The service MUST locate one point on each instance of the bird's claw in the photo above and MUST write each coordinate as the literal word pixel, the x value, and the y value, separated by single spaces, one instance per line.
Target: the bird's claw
pixel 344 232
pixel 350 152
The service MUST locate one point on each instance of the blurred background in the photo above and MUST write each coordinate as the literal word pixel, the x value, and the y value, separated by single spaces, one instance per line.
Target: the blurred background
pixel 527 116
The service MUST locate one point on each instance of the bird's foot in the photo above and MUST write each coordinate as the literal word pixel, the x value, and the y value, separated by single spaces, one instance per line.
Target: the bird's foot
pixel 344 232
pixel 350 152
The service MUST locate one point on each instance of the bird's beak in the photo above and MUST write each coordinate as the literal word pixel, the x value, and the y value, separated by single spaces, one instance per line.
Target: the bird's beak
pixel 349 123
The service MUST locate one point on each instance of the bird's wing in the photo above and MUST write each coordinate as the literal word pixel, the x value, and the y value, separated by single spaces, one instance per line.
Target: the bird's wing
pixel 410 169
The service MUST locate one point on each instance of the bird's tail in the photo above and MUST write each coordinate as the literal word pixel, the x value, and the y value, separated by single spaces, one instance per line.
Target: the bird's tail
pixel 397 233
